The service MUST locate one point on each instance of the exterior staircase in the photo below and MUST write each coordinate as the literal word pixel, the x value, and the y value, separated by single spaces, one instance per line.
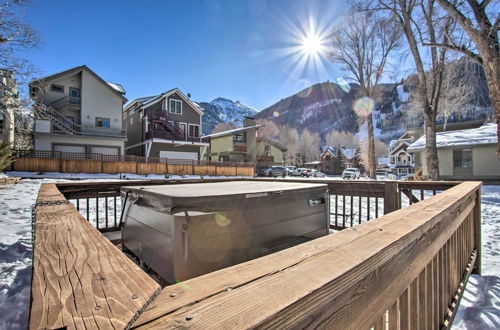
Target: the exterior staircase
pixel 60 123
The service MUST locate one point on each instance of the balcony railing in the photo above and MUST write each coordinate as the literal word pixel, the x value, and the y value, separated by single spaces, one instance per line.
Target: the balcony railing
pixel 265 159
pixel 163 134
pixel 240 148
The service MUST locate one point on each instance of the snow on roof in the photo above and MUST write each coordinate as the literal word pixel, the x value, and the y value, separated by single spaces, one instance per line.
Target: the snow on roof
pixel 316 162
pixel 117 87
pixel 231 131
pixel 349 153
pixel 486 134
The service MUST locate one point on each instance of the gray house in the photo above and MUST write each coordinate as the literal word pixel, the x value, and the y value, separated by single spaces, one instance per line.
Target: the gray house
pixel 166 125
pixel 467 154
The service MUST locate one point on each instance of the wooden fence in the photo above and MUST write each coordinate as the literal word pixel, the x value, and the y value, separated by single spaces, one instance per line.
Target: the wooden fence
pixel 405 270
pixel 83 163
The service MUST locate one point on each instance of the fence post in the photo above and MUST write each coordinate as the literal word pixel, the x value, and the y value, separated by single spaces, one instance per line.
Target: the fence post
pixel 390 197
pixel 477 232
pixel 192 166
pixel 166 166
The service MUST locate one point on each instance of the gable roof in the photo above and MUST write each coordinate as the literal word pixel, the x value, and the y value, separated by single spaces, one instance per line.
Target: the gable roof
pixel 272 142
pixel 232 131
pixel 116 88
pixel 158 98
pixel 486 134
pixel 330 150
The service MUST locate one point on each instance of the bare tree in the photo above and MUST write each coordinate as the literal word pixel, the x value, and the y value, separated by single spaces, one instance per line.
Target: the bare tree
pixel 380 151
pixel 269 129
pixel 15 35
pixel 422 22
pixel 341 139
pixel 481 22
pixel 289 137
pixel 309 146
pixel 221 127
pixel 362 45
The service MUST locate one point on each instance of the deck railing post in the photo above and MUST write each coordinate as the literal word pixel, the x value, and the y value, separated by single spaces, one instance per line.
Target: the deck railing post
pixel 477 232
pixel 391 201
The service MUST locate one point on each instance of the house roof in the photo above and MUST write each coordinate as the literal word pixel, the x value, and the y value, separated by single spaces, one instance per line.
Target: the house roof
pixel 117 88
pixel 232 131
pixel 330 150
pixel 147 101
pixel 486 134
pixel 349 153
pixel 273 142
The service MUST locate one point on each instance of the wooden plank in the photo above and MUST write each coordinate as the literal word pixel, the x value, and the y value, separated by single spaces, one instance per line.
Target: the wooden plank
pixel 404 311
pixel 414 305
pixel 391 197
pixel 393 315
pixel 80 280
pixel 477 233
pixel 355 270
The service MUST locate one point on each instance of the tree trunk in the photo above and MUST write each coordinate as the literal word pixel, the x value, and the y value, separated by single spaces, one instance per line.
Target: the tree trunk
pixel 492 71
pixel 372 162
pixel 431 157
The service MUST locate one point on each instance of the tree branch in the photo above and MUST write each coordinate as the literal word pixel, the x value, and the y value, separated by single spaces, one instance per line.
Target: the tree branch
pixel 475 57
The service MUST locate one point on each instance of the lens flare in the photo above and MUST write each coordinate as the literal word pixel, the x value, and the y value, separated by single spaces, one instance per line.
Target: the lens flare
pixel 276 114
pixel 344 84
pixel 363 106
pixel 222 220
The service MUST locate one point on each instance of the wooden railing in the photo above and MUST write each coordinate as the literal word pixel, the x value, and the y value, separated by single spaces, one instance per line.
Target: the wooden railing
pixel 405 270
pixel 239 147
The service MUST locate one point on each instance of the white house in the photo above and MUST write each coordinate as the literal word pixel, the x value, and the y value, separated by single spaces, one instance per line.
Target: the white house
pixel 463 154
pixel 77 111
pixel 400 160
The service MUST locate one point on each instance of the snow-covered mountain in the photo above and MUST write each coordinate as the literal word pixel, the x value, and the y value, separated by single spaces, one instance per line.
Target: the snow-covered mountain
pixel 222 110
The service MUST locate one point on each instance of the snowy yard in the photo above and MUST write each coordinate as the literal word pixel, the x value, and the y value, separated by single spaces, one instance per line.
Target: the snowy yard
pixel 479 309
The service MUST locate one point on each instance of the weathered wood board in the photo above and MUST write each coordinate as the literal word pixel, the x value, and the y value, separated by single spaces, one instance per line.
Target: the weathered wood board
pixel 80 280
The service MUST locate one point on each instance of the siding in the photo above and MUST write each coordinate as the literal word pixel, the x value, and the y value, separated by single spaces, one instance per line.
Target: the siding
pixel 221 144
pixel 485 162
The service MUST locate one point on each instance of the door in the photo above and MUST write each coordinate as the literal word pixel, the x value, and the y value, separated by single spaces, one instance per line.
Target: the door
pixel 182 128
pixel 74 95
pixel 179 155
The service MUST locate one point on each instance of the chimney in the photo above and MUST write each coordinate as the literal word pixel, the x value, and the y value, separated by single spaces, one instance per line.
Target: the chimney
pixel 249 121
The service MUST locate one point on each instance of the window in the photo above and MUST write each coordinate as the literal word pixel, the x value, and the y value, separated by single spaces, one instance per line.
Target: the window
pixel 131 120
pixel 194 130
pixel 267 150
pixel 74 95
pixel 240 137
pixel 176 106
pixel 57 88
pixel 102 122
pixel 462 158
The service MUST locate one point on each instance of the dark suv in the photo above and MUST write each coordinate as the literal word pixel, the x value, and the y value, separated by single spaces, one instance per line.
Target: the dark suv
pixel 277 171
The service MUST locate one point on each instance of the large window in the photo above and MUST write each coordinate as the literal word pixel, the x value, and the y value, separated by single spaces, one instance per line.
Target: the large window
pixel 240 137
pixel 57 88
pixel 175 106
pixel 194 130
pixel 462 158
pixel 102 122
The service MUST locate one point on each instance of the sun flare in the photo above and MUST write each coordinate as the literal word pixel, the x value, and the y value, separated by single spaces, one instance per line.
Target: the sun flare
pixel 312 44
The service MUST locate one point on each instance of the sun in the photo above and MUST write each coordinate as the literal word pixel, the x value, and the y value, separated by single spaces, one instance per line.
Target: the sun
pixel 312 44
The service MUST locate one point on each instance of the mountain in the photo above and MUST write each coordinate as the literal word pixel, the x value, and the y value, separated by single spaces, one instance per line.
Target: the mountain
pixel 320 108
pixel 222 110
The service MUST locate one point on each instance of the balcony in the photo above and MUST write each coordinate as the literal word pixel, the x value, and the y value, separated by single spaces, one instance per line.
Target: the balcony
pixel 239 148
pixel 163 134
pixel 265 159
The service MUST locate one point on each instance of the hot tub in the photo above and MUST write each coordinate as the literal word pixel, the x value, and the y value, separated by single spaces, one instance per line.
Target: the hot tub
pixel 185 230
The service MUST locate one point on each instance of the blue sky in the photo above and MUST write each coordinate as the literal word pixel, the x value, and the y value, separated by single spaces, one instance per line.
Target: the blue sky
pixel 238 49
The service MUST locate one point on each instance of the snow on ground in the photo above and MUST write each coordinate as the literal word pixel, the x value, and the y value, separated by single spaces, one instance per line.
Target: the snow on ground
pixel 480 305
pixel 479 309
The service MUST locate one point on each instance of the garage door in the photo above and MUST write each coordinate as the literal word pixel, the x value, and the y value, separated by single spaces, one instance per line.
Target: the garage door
pixel 104 150
pixel 179 155
pixel 63 148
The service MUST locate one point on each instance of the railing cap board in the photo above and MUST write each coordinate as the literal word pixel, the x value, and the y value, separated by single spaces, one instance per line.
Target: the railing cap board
pixel 80 279
pixel 345 280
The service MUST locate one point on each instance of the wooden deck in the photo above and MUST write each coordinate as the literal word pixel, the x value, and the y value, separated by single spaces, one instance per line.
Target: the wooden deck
pixel 80 280
pixel 405 270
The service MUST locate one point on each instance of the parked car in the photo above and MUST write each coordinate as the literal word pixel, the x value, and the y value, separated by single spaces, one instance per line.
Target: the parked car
pixel 277 171
pixel 381 175
pixel 263 171
pixel 317 174
pixel 290 170
pixel 351 173
pixel 300 172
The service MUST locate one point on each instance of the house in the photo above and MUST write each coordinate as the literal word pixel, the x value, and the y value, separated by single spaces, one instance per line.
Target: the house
pixel 236 145
pixel 330 162
pixel 270 151
pixel 463 154
pixel 9 100
pixel 400 160
pixel 78 111
pixel 167 125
